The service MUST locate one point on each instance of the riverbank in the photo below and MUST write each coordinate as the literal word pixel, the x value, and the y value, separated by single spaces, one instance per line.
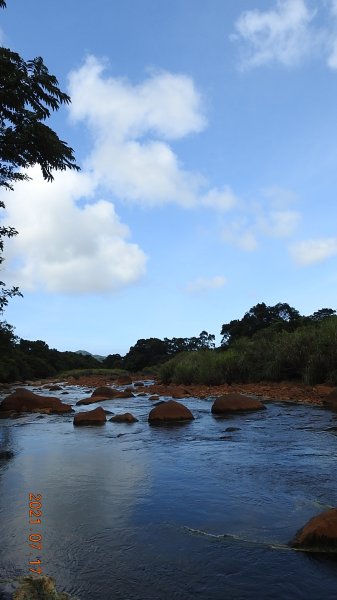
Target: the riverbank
pixel 281 391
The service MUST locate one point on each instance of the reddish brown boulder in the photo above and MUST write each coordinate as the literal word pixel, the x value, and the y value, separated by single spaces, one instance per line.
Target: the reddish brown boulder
pixel 170 411
pixel 124 394
pixel 235 403
pixel 319 534
pixel 104 392
pixel 96 416
pixel 91 400
pixel 154 397
pixel 23 400
pixel 124 418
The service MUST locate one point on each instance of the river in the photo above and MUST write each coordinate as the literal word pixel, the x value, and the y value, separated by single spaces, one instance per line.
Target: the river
pixel 193 511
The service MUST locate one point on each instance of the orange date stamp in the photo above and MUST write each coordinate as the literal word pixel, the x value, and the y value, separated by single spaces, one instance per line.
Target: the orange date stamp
pixel 35 538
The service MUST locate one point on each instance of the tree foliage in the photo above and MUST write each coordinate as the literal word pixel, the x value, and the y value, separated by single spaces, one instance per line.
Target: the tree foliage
pixel 281 316
pixel 28 95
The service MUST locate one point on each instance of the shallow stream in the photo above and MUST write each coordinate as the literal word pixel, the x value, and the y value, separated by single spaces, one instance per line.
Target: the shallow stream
pixel 194 511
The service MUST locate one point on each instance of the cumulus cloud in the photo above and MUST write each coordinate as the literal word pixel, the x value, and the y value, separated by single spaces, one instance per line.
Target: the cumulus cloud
pixel 313 251
pixel 206 284
pixel 64 246
pixel 71 238
pixel 167 104
pixel 133 128
pixel 288 34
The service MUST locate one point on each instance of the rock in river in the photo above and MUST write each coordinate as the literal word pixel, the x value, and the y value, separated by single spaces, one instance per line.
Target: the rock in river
pixel 170 411
pixel 229 403
pixel 124 418
pixel 23 400
pixel 90 417
pixel 319 534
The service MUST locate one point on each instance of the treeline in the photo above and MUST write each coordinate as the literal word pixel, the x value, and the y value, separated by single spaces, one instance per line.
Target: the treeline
pixel 153 351
pixel 22 359
pixel 269 343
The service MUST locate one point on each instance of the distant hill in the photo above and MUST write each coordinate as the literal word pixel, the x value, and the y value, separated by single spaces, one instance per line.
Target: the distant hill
pixel 85 353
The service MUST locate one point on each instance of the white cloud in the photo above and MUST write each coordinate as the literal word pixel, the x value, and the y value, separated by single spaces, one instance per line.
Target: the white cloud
pixel 282 34
pixel 206 284
pixel 132 126
pixel 270 216
pixel 166 104
pixel 66 247
pixel 288 34
pixel 313 251
pixel 221 200
pixel 278 223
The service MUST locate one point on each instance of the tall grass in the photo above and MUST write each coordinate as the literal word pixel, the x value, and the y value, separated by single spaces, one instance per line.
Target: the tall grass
pixel 308 355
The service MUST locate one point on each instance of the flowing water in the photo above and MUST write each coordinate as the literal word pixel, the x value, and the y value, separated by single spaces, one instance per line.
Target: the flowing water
pixel 140 512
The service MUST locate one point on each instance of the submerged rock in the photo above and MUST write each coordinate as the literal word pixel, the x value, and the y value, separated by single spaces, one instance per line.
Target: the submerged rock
pixel 6 454
pixel 124 418
pixel 319 534
pixel 38 588
pixel 235 403
pixel 96 416
pixel 23 400
pixel 170 411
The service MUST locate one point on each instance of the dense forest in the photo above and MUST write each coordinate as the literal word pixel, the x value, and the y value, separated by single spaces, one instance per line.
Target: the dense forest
pixel 269 343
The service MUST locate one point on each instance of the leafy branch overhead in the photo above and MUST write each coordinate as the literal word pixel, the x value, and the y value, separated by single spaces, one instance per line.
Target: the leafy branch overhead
pixel 28 95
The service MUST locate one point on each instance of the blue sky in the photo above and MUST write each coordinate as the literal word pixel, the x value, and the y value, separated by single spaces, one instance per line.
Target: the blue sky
pixel 206 136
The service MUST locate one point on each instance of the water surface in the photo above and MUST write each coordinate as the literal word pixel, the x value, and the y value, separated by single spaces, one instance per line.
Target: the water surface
pixel 139 512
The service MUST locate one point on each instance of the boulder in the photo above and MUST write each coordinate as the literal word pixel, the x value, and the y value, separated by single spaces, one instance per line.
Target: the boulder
pixel 124 394
pixel 154 397
pixel 23 400
pixel 319 534
pixel 91 400
pixel 124 418
pixel 234 402
pixel 170 411
pixel 104 391
pixel 96 416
